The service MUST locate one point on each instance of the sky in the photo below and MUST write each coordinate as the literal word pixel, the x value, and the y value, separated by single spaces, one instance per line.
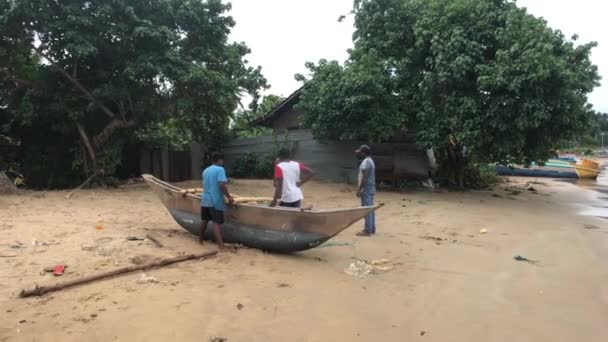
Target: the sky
pixel 285 34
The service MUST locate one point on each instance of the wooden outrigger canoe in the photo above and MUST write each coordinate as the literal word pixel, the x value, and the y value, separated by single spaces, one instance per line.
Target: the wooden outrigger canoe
pixel 260 226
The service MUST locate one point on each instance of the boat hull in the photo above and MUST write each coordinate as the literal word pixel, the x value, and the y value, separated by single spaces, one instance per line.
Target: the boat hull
pixel 252 236
pixel 519 172
pixel 586 173
pixel 584 168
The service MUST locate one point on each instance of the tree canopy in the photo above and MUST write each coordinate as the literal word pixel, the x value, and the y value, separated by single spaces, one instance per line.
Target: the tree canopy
pixel 90 73
pixel 241 126
pixel 483 76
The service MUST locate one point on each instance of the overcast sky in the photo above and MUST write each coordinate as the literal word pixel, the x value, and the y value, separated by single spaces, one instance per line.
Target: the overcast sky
pixel 285 34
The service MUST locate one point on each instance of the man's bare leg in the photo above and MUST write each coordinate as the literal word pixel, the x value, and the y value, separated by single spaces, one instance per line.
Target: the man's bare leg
pixel 202 232
pixel 219 240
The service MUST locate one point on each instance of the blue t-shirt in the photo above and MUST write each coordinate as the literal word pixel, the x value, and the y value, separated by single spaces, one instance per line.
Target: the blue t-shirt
pixel 212 196
pixel 369 166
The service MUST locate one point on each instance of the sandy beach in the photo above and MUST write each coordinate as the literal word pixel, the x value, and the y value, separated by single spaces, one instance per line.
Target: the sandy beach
pixel 446 280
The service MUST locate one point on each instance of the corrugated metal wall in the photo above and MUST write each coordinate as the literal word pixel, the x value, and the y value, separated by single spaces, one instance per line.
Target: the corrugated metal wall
pixel 168 165
pixel 336 160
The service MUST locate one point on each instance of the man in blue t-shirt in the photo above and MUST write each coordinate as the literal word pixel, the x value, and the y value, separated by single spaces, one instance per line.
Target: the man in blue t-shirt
pixel 212 199
pixel 367 187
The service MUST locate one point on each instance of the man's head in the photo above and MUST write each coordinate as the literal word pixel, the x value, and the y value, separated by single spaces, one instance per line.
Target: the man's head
pixel 363 151
pixel 284 154
pixel 217 158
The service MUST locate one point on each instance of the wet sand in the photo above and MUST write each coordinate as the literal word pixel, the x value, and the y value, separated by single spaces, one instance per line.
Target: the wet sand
pixel 448 281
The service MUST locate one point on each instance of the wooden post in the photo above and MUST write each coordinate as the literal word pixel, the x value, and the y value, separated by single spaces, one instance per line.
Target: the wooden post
pixel 164 162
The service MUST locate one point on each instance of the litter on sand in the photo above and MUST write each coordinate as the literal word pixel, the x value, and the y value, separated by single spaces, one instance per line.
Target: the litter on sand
pixel 379 265
pixel 362 268
pixel 134 238
pixel 35 242
pixel 359 269
pixel 380 262
pixel 59 270
pixel 144 279
pixel 217 339
pixel 591 226
pixel 521 258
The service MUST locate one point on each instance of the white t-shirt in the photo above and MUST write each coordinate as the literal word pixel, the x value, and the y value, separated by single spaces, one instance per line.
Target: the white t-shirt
pixel 289 171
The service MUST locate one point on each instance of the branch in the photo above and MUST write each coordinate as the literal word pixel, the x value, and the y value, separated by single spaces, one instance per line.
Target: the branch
pixel 75 68
pixel 121 108
pixel 87 143
pixel 131 103
pixel 18 81
pixel 105 134
pixel 75 82
pixel 82 185
pixel 40 290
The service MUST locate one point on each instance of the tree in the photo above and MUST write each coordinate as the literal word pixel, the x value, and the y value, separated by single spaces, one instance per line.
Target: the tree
pixel 592 136
pixel 477 80
pixel 241 126
pixel 602 122
pixel 89 73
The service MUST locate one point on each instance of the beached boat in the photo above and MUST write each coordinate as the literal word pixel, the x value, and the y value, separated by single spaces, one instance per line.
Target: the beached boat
pixel 534 172
pixel 257 225
pixel 584 168
pixel 556 168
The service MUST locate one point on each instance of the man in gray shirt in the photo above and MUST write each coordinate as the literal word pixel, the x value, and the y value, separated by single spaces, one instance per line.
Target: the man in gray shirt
pixel 367 187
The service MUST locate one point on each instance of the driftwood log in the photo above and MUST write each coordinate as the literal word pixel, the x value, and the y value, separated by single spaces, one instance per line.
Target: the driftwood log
pixel 40 290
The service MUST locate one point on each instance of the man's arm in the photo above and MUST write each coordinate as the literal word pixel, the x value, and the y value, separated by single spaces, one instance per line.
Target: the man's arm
pixel 364 176
pixel 306 174
pixel 278 185
pixel 224 188
pixel 277 192
pixel 223 182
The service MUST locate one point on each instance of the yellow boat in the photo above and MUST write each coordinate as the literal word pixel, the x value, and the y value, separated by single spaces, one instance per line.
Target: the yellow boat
pixel 581 168
pixel 586 170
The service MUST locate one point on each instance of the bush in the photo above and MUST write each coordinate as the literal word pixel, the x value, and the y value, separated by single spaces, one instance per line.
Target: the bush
pixel 474 176
pixel 254 165
pixel 488 177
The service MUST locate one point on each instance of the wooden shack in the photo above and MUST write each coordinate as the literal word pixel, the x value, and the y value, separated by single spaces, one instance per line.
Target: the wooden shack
pixel 397 159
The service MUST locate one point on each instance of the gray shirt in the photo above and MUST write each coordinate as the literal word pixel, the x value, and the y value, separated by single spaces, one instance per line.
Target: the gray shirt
pixel 368 165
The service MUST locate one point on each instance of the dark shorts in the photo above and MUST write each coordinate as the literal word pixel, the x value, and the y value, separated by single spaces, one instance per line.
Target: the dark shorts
pixel 295 204
pixel 213 215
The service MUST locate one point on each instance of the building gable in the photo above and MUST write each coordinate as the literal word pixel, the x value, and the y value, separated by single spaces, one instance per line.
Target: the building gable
pixel 283 116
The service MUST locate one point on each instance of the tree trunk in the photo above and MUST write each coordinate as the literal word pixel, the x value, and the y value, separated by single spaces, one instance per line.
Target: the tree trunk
pixel 89 147
pixel 6 185
pixel 85 159
pixel 456 162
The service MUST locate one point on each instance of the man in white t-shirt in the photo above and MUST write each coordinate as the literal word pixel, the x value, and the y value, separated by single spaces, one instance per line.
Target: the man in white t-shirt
pixel 289 175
